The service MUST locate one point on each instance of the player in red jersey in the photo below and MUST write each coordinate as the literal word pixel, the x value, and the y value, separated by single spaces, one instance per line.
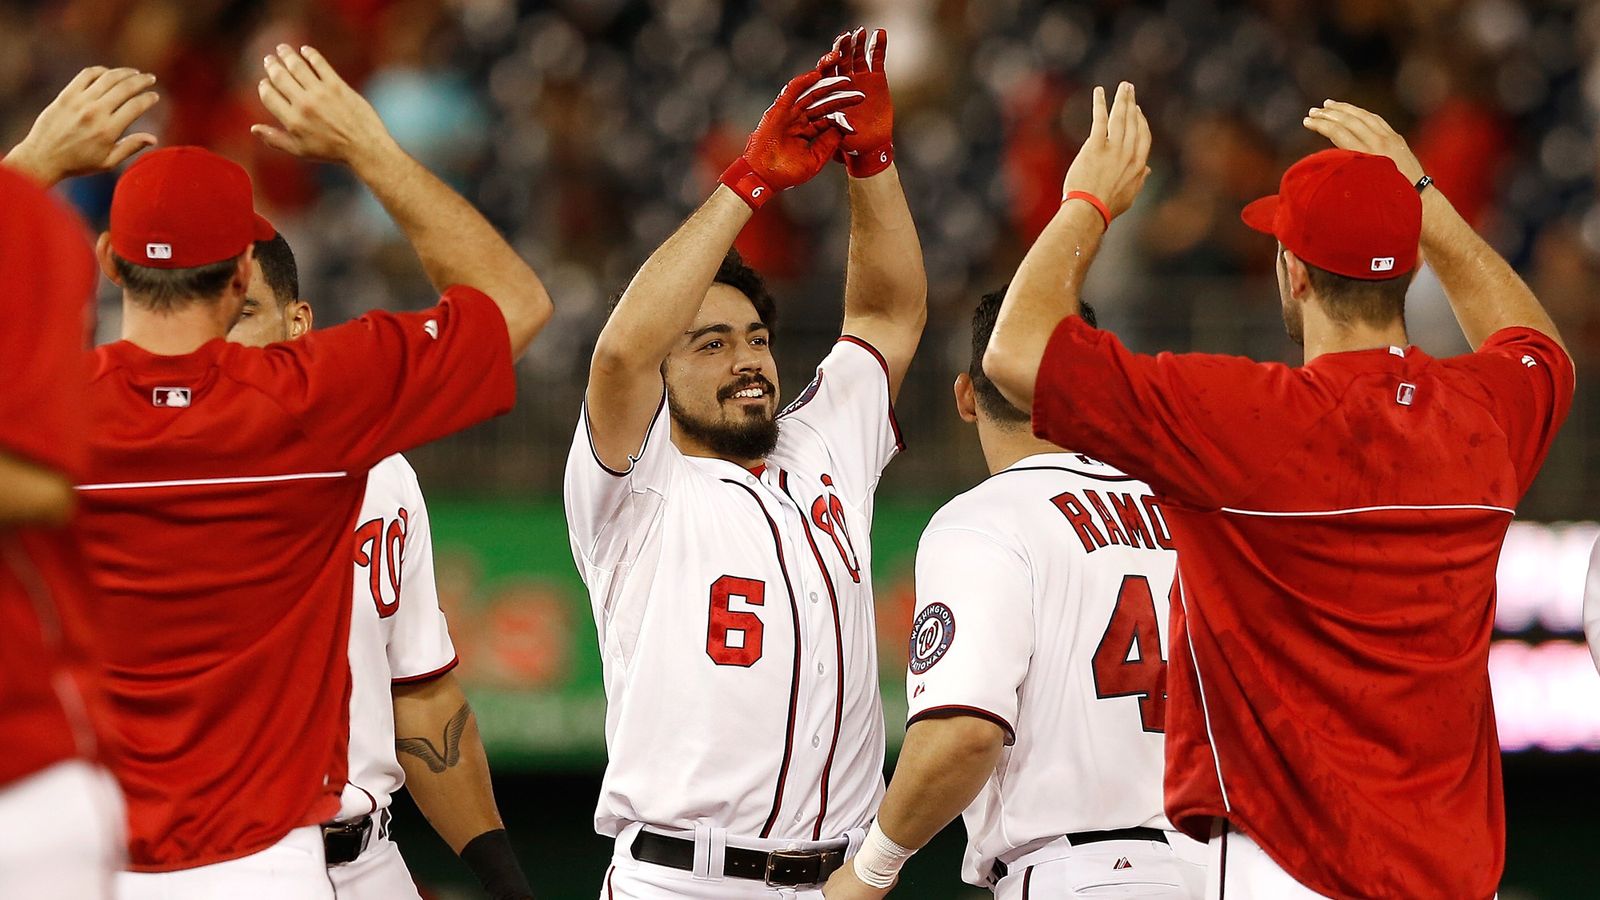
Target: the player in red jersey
pixel 223 484
pixel 1329 725
pixel 61 818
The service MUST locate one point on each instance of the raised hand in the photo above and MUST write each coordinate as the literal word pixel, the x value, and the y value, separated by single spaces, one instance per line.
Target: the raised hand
pixel 321 117
pixel 80 132
pixel 868 144
pixel 1350 127
pixel 795 138
pixel 1111 166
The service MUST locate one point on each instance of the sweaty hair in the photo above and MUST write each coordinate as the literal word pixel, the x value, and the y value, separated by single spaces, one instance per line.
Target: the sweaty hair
pixel 735 274
pixel 164 290
pixel 990 400
pixel 1349 301
pixel 278 268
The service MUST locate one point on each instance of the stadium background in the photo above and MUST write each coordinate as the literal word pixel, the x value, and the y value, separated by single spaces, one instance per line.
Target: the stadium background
pixel 588 128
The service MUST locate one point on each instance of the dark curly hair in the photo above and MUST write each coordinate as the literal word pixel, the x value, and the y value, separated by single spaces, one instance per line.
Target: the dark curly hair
pixel 990 400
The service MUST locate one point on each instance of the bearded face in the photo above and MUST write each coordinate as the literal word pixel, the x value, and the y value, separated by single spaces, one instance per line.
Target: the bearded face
pixel 722 388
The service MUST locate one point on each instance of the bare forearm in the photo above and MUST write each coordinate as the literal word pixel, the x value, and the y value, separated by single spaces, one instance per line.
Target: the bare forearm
pixel 31 494
pixel 454 242
pixel 447 776
pixel 885 278
pixel 661 300
pixel 942 766
pixel 1045 291
pixel 1484 291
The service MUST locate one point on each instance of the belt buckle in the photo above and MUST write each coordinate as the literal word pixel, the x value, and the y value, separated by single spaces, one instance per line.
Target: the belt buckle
pixel 775 856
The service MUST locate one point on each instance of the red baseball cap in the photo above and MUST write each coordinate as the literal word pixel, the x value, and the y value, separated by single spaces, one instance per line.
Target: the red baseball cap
pixel 182 207
pixel 1350 213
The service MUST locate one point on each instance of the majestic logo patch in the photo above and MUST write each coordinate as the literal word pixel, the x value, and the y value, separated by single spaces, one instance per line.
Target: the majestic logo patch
pixel 931 635
pixel 805 397
pixel 169 396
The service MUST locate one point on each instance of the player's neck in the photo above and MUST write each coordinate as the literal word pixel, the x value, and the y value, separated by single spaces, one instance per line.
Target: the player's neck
pixel 175 332
pixel 1005 445
pixel 1324 336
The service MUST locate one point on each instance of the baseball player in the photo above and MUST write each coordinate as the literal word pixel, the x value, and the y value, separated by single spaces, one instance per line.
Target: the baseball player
pixel 725 544
pixel 401 662
pixel 213 467
pixel 61 817
pixel 1037 675
pixel 1329 721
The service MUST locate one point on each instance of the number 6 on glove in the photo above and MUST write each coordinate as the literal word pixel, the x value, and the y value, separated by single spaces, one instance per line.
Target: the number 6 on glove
pixel 795 139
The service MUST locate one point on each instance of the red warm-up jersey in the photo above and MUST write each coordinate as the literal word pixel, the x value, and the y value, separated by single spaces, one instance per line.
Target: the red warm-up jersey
pixel 47 278
pixel 1338 527
pixel 217 512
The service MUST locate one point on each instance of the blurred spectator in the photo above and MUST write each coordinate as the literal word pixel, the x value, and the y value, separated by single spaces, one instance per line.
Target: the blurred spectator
pixel 589 128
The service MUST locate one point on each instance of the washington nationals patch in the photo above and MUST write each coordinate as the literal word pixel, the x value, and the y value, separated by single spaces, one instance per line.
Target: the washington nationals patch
pixel 805 396
pixel 931 635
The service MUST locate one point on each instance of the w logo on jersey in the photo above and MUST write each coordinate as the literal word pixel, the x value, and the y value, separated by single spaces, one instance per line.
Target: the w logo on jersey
pixel 827 513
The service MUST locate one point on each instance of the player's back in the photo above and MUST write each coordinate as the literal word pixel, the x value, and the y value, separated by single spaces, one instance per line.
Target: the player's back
pixel 1340 605
pixel 217 513
pixel 1050 621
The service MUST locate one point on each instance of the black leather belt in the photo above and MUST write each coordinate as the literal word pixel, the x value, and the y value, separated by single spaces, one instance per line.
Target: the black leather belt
pixel 1094 837
pixel 343 842
pixel 786 868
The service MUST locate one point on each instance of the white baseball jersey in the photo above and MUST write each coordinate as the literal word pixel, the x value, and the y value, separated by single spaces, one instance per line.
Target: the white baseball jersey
pixel 1591 605
pixel 1042 606
pixel 734 611
pixel 397 632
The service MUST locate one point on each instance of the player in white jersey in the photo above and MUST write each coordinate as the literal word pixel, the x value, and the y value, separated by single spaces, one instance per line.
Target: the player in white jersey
pixel 401 662
pixel 725 545
pixel 1037 676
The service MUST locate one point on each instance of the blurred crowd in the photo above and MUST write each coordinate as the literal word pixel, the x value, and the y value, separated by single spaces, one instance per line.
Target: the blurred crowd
pixel 587 129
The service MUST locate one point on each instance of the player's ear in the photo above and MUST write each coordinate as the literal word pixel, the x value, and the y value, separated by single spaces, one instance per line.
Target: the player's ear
pixel 1298 279
pixel 102 255
pixel 241 272
pixel 299 318
pixel 966 398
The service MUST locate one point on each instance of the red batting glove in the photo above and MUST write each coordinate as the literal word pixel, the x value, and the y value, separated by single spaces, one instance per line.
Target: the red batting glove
pixel 868 145
pixel 795 139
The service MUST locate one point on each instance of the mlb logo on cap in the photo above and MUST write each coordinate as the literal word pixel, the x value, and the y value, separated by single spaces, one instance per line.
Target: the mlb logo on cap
pixel 1349 213
pixel 158 251
pixel 184 207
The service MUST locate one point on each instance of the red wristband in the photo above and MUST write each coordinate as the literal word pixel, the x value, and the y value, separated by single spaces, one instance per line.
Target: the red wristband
pixel 743 180
pixel 1098 204
pixel 866 165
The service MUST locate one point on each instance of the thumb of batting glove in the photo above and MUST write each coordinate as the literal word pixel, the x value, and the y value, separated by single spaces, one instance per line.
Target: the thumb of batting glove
pixel 794 140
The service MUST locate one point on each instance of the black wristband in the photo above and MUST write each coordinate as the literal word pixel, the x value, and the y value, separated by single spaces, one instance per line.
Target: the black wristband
pixel 490 857
pixel 1423 182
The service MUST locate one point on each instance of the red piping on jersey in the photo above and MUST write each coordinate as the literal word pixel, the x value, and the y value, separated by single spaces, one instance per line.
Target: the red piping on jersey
pixel 943 712
pixel 609 872
pixel 589 433
pixel 429 676
pixel 370 799
pixel 794 679
pixel 1027 877
pixel 899 441
pixel 838 649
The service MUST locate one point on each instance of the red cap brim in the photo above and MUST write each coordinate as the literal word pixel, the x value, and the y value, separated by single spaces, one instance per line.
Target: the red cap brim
pixel 1262 215
pixel 263 229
